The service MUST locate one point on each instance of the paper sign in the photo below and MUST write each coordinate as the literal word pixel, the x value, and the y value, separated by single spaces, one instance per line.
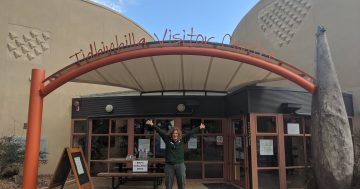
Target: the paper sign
pixel 144 144
pixel 162 144
pixel 238 142
pixel 140 166
pixel 242 155
pixel 192 144
pixel 237 154
pixel 266 147
pixel 79 166
pixel 293 128
pixel 219 140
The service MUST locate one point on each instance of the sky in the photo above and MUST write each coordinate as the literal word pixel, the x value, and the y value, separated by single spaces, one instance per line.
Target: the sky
pixel 211 18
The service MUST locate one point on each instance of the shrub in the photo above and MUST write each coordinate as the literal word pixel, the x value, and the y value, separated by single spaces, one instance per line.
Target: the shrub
pixel 12 154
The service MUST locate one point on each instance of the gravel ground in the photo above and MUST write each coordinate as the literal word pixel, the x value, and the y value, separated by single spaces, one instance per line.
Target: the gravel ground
pixel 43 182
pixel 8 184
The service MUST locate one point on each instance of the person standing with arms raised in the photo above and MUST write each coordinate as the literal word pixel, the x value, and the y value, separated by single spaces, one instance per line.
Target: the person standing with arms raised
pixel 174 153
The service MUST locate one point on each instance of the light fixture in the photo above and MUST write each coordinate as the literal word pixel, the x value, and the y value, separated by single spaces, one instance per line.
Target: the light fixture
pixel 180 107
pixel 76 105
pixel 109 108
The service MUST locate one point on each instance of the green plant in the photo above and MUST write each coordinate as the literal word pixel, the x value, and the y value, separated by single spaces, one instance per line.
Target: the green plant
pixel 12 154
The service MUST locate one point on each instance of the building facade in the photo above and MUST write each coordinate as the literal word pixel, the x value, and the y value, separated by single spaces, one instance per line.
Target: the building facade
pixel 257 134
pixel 238 143
pixel 44 34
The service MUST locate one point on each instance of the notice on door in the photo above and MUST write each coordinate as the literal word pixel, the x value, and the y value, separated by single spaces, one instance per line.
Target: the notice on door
pixel 192 144
pixel 219 140
pixel 162 144
pixel 293 128
pixel 144 144
pixel 238 142
pixel 266 147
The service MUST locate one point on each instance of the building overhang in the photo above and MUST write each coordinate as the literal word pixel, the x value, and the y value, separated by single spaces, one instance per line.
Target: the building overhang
pixel 178 66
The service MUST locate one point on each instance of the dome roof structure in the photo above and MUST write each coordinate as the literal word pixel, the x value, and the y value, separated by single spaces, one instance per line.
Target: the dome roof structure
pixel 286 29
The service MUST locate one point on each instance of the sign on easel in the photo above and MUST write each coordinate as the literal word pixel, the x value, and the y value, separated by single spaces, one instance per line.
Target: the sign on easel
pixel 72 159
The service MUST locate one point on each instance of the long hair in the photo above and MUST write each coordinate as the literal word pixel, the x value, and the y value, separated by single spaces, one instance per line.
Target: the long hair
pixel 175 129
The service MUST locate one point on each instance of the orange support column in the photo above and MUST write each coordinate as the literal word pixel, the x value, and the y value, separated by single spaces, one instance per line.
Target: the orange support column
pixel 31 161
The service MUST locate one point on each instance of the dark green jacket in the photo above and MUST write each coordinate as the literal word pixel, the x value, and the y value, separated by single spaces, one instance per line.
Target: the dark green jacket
pixel 174 152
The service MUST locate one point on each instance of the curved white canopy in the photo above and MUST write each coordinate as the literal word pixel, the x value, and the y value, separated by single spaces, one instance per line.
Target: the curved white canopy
pixel 174 67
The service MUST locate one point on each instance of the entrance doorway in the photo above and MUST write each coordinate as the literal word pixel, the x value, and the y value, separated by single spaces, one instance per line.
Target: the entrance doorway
pixel 280 149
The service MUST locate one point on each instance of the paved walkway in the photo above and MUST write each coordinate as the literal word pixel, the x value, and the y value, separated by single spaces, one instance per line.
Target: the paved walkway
pixel 105 183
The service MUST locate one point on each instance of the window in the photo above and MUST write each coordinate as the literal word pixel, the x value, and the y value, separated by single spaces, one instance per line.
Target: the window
pixel 109 139
pixel 266 124
pixel 80 135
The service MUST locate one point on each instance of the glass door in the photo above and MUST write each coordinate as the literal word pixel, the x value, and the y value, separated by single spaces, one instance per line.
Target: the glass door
pixel 297 148
pixel 240 157
pixel 280 149
pixel 267 151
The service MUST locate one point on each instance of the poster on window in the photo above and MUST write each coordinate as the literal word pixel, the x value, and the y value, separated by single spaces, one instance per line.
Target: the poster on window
pixel 144 144
pixel 192 144
pixel 293 128
pixel 162 144
pixel 219 140
pixel 238 142
pixel 266 147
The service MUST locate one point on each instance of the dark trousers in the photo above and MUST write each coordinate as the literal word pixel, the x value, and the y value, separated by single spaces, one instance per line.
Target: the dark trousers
pixel 177 170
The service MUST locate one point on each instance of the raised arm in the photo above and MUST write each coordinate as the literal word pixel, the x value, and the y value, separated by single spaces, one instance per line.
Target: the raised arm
pixel 187 136
pixel 161 132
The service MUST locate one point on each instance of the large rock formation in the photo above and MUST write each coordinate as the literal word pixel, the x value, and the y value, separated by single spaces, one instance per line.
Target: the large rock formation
pixel 332 147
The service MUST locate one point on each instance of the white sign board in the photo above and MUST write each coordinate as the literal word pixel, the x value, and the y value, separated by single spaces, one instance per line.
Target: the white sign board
pixel 192 144
pixel 144 144
pixel 79 166
pixel 293 128
pixel 266 147
pixel 140 166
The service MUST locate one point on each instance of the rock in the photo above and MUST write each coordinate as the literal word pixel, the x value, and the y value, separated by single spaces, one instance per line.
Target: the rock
pixel 331 141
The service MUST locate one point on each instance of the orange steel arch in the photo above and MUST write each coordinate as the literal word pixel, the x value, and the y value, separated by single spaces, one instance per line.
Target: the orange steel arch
pixel 40 87
pixel 185 48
